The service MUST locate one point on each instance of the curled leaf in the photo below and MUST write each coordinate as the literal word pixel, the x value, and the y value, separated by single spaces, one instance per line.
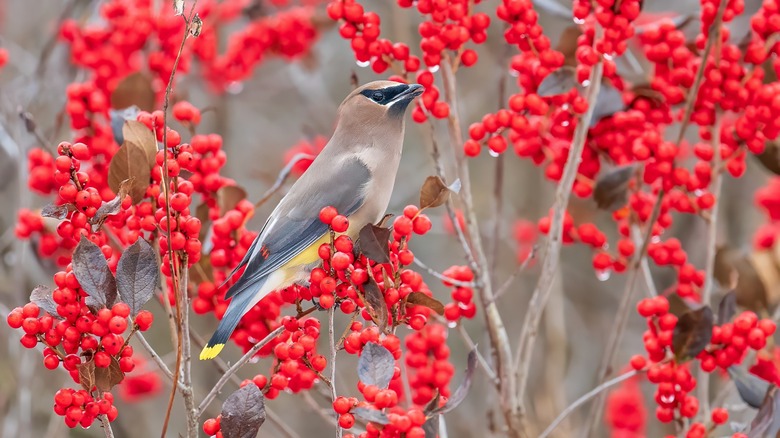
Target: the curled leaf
pixel 118 118
pixel 110 376
pixel 372 415
pixel 135 89
pixel 136 132
pixel 376 365
pixel 196 26
pixel 692 333
pixel 111 207
pixel 611 190
pixel 727 307
pixel 243 413
pixel 373 243
pixel 56 211
pixel 42 298
pixel 91 270
pixel 130 163
pixel 435 192
pixel 376 303
pixel 770 158
pixel 178 7
pixel 420 299
pixel 228 197
pixel 137 275
pixel 463 389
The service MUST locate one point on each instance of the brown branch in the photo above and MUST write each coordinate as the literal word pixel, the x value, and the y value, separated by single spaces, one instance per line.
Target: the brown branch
pixel 283 175
pixel 499 339
pixel 552 254
pixel 333 352
pixel 233 369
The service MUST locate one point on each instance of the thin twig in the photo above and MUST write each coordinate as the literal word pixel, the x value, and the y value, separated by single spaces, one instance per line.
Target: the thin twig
pixel 543 289
pixel 325 415
pixel 233 369
pixel 157 359
pixel 106 426
pixel 499 339
pixel 283 175
pixel 712 249
pixel 584 399
pixel 519 269
pixel 480 358
pixel 443 277
pixel 187 394
pixel 333 352
pixel 644 264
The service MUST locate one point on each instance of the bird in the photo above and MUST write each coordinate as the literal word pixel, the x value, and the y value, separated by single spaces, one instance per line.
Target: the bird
pixel 354 173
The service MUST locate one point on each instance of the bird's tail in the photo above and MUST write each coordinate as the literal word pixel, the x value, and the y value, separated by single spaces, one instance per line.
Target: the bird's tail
pixel 239 305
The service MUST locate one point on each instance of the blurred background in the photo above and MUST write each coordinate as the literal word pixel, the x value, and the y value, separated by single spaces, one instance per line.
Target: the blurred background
pixel 260 119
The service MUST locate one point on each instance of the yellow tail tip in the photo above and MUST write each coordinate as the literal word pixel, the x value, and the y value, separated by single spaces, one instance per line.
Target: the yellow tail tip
pixel 210 352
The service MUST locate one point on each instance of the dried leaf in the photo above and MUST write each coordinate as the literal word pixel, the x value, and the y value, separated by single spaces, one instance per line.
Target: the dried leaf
pixel 383 222
pixel 463 389
pixel 228 197
pixel 196 26
pixel 118 118
pixel 373 243
pixel 111 207
pixel 41 296
pixel 431 427
pixel 376 365
pixel 435 192
pixel 567 44
pixel 608 102
pixel 110 376
pixel 372 415
pixel 770 158
pixel 56 211
pixel 433 404
pixel 376 303
pixel 611 190
pixel 558 82
pixel 243 413
pixel 130 163
pixel 136 132
pixel 91 270
pixel 754 278
pixel 765 423
pixel 178 7
pixel 137 275
pixel 135 89
pixel 420 299
pixel 692 333
pixel 87 374
pixel 727 307
pixel 751 388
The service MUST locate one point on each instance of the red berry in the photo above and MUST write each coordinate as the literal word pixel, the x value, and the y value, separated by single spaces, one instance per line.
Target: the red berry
pixel 339 224
pixel 346 421
pixel 327 214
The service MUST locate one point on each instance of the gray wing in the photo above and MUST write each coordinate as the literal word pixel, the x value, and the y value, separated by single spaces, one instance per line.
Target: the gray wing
pixel 295 224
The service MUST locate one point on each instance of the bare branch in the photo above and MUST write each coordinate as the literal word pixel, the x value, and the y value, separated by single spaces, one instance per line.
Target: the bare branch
pixel 283 175
pixel 333 352
pixel 520 268
pixel 443 277
pixel 480 358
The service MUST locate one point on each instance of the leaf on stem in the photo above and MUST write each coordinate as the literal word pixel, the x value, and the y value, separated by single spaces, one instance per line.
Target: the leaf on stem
pixel 42 298
pixel 243 413
pixel 567 44
pixel 373 243
pixel 611 190
pixel 136 132
pixel 111 207
pixel 110 376
pixel 692 333
pixel 751 388
pixel 87 374
pixel 228 197
pixel 56 211
pixel 91 270
pixel 130 163
pixel 463 389
pixel 137 275
pixel 766 421
pixel 376 365
pixel 435 192
pixel 754 278
pixel 372 415
pixel 376 303
pixel 420 299
pixel 135 89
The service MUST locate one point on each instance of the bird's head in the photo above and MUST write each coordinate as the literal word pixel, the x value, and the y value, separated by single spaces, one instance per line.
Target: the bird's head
pixel 379 101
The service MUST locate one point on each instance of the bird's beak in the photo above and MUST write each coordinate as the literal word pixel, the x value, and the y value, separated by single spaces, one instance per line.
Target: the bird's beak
pixel 410 93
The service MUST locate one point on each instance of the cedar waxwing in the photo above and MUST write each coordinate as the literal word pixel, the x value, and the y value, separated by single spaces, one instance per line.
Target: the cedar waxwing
pixel 354 173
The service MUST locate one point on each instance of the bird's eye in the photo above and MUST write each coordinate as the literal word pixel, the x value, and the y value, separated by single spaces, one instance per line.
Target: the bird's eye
pixel 378 96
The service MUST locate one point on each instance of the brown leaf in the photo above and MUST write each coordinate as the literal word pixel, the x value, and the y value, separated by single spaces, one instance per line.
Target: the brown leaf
pixel 567 44
pixel 648 92
pixel 110 376
pixel 196 26
pixel 692 333
pixel 56 211
pixel 383 222
pixel 243 413
pixel 376 303
pixel 87 374
pixel 130 163
pixel 420 299
pixel 770 158
pixel 753 277
pixel 134 89
pixel 376 365
pixel 111 207
pixel 435 192
pixel 228 197
pixel 42 297
pixel 373 243
pixel 611 191
pixel 136 132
